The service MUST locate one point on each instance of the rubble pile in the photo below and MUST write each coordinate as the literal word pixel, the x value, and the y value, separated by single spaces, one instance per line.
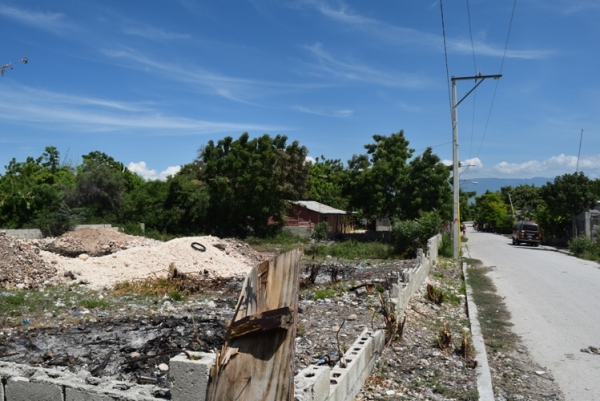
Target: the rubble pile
pixel 95 242
pixel 21 266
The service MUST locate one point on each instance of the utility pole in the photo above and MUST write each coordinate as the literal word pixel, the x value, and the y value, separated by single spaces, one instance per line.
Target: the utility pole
pixel 456 221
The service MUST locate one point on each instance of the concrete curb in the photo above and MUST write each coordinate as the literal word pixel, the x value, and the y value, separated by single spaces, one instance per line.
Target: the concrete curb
pixel 484 377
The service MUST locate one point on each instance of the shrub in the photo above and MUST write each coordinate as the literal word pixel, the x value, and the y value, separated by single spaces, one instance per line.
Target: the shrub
pixel 446 248
pixel 321 230
pixel 412 234
pixel 583 245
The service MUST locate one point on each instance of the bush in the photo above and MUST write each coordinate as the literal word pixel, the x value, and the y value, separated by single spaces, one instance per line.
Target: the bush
pixel 412 234
pixel 583 245
pixel 321 230
pixel 446 247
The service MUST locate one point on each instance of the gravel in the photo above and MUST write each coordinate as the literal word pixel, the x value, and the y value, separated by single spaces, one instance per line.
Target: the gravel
pixel 331 316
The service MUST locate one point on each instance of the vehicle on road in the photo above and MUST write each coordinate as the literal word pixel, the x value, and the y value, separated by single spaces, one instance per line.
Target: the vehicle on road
pixel 527 232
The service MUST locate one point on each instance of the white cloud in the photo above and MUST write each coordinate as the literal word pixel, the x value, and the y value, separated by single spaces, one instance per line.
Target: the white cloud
pixel 310 159
pixel 353 71
pixel 343 14
pixel 142 170
pixel 80 114
pixel 47 21
pixel 152 33
pixel 324 113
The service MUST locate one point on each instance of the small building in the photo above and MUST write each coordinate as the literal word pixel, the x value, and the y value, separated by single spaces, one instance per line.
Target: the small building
pixel 308 213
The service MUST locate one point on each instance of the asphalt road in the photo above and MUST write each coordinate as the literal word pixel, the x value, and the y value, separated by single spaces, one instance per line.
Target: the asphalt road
pixel 554 300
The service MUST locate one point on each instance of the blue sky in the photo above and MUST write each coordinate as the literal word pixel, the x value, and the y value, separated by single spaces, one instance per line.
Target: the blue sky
pixel 150 82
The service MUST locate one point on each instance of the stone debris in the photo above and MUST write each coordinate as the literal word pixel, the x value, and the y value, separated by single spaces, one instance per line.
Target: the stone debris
pixel 21 266
pixel 91 241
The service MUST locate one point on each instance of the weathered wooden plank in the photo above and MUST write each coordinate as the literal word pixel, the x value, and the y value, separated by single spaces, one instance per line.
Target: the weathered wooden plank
pixel 261 367
pixel 276 319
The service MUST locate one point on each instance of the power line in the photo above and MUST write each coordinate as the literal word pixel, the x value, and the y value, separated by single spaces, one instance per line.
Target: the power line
pixel 512 14
pixel 474 71
pixel 446 57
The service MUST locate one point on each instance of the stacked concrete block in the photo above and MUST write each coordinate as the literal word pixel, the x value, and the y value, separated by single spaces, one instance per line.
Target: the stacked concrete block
pixel 25 383
pixel 312 384
pixel 22 389
pixel 189 377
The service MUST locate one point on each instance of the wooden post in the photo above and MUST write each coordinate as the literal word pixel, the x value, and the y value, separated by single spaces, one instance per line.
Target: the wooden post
pixel 257 360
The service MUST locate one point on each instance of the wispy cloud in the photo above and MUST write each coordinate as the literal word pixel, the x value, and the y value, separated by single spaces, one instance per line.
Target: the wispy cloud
pixel 78 114
pixel 550 167
pixel 152 33
pixel 561 162
pixel 54 22
pixel 143 171
pixel 387 33
pixel 320 112
pixel 355 71
pixel 232 88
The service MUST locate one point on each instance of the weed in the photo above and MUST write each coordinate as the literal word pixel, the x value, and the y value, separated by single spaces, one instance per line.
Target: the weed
pixel 94 303
pixel 393 328
pixel 300 330
pixel 434 294
pixel 324 293
pixel 356 250
pixel 492 312
pixel 444 338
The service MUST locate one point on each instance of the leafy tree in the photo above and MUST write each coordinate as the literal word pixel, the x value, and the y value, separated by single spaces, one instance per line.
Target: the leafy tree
pixel 186 205
pixel 327 179
pixel 491 210
pixel 144 203
pixel 569 195
pixel 99 188
pixel 525 198
pixel 32 187
pixel 377 180
pixel 427 187
pixel 249 181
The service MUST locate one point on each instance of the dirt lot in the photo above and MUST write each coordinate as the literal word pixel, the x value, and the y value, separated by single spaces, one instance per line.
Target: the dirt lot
pixel 83 325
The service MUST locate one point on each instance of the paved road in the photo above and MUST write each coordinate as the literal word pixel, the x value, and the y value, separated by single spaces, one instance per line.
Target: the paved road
pixel 554 300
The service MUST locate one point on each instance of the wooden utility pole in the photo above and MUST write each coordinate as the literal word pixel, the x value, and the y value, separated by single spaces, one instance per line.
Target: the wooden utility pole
pixel 456 220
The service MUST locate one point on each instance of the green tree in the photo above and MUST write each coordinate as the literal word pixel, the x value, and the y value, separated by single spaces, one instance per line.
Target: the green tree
pixel 327 179
pixel 569 195
pixel 526 199
pixel 427 188
pixel 99 188
pixel 490 209
pixel 377 180
pixel 32 188
pixel 249 181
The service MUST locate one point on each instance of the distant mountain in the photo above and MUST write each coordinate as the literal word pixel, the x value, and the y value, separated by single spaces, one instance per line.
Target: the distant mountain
pixel 494 184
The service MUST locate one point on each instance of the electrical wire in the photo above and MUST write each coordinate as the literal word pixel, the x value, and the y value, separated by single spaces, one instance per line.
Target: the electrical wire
pixel 446 58
pixel 497 81
pixel 474 73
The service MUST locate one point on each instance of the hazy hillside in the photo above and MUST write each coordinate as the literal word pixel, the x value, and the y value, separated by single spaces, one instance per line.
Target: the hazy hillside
pixel 494 184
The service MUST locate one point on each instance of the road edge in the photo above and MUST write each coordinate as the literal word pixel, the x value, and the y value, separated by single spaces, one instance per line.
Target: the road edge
pixel 484 377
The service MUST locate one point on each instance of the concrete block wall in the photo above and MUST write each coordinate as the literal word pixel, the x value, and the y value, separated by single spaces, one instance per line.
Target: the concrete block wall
pixel 321 383
pixel 34 233
pixel 26 383
pixel 411 279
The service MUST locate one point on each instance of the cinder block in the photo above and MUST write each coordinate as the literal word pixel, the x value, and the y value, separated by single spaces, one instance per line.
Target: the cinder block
pixel 190 376
pixel 22 389
pixel 312 384
pixel 77 394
